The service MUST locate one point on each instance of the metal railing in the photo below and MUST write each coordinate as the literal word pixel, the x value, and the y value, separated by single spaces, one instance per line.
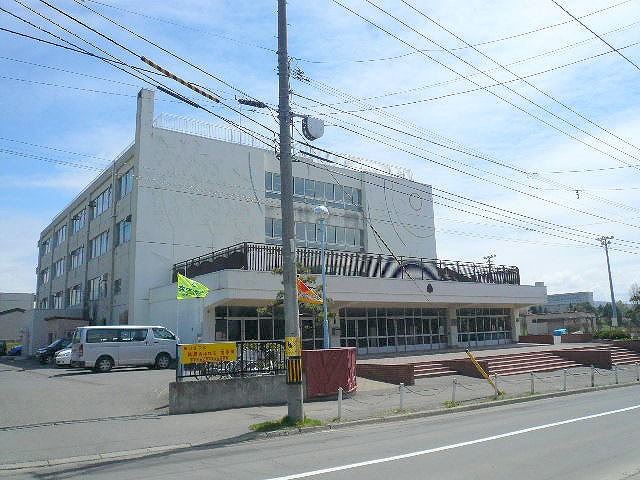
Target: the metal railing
pixel 265 257
pixel 255 357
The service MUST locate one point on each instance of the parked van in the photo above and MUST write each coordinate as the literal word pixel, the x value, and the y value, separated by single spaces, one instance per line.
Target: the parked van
pixel 102 348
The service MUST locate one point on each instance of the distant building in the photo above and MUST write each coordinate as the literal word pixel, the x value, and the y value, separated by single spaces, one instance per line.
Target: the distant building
pixel 546 323
pixel 203 200
pixel 564 302
pixel 16 310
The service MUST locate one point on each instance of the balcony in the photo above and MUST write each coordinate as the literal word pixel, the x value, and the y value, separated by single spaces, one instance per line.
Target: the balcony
pixel 263 257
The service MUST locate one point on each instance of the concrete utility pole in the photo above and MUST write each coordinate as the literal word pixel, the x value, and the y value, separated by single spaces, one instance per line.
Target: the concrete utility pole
pixel 291 322
pixel 605 242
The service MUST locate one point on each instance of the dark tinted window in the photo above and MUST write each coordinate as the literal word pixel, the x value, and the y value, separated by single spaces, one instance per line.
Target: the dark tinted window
pixel 99 335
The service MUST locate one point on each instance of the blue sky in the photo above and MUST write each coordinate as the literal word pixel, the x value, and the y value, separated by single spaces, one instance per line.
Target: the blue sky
pixel 517 149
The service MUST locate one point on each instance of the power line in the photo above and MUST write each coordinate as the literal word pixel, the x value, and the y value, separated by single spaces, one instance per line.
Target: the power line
pixel 486 88
pixel 551 97
pixel 147 79
pixel 550 224
pixel 594 33
pixel 487 42
pixel 518 170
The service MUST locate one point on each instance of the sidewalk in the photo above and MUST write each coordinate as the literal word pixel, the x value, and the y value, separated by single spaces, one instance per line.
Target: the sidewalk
pixel 125 436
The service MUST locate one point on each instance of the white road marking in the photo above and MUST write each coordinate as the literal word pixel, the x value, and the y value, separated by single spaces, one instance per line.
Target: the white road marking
pixel 453 445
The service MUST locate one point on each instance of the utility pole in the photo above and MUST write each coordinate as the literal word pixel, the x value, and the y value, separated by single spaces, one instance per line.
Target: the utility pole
pixel 291 322
pixel 605 242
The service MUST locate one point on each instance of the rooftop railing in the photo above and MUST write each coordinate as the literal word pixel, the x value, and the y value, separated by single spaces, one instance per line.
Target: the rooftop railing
pixel 264 257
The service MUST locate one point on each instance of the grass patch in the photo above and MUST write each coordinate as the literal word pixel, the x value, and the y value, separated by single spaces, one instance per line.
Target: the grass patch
pixel 283 423
pixel 450 404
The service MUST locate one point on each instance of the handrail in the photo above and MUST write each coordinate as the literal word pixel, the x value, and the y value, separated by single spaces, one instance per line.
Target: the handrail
pixel 268 257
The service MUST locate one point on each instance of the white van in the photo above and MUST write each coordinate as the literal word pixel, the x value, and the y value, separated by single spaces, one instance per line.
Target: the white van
pixel 102 348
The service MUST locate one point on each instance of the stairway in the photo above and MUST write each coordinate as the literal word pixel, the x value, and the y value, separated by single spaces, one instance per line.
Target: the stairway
pixel 623 356
pixel 525 362
pixel 431 369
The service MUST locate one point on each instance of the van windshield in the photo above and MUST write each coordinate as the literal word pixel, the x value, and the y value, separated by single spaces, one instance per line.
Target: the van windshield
pixel 76 337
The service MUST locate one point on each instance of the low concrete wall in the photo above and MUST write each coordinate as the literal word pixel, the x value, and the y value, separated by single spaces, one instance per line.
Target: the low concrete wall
pixel 546 339
pixel 577 338
pixel 588 356
pixel 465 366
pixel 206 396
pixel 395 374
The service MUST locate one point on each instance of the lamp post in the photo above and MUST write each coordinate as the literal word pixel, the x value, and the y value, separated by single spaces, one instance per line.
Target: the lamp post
pixel 322 212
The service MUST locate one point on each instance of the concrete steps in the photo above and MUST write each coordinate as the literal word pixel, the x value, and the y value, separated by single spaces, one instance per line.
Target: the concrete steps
pixel 431 369
pixel 526 362
pixel 622 356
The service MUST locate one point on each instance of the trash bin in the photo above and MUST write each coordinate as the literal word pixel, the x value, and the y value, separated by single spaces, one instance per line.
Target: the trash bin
pixel 557 335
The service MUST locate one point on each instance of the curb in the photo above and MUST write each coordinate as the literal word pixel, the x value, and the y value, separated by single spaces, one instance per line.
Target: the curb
pixel 144 452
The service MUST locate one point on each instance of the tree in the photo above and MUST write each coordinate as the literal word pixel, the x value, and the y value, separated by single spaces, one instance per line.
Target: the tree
pixel 634 311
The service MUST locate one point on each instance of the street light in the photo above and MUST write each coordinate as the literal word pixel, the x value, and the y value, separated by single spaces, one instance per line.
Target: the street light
pixel 322 212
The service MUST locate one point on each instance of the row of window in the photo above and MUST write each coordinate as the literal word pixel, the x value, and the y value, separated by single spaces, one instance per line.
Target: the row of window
pixel 97 206
pixel 98 246
pixel 310 234
pixel 73 297
pixel 316 190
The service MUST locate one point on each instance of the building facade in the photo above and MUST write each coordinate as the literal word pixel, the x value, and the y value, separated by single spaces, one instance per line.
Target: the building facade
pixel 203 200
pixel 564 302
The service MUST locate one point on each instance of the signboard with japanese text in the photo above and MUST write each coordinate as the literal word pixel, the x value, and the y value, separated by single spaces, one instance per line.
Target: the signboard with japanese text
pixel 208 352
pixel 292 347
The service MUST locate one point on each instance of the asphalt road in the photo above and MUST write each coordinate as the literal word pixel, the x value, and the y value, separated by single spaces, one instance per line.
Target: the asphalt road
pixel 585 436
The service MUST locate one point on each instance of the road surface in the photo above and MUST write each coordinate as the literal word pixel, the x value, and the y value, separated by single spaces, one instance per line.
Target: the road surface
pixel 593 435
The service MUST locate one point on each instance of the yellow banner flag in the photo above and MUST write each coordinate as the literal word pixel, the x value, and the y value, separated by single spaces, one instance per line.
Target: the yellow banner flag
pixel 307 295
pixel 188 288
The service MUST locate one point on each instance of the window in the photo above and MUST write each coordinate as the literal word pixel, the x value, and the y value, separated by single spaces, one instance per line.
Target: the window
pixel 124 231
pixel 95 290
pixel 126 183
pixel 44 276
pixel 100 335
pixel 44 303
pixel 272 182
pixel 268 181
pixel 273 227
pixel 58 268
pixel 133 334
pixel 45 246
pixel 163 333
pixel 60 236
pixel 311 232
pixel 317 190
pixel 78 220
pixel 58 300
pixel 101 203
pixel 117 286
pixel 77 257
pixel 309 188
pixel 75 295
pixel 99 244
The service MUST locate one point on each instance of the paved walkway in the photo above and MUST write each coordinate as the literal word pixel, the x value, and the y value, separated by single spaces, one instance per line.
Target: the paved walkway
pixel 122 436
pixel 456 353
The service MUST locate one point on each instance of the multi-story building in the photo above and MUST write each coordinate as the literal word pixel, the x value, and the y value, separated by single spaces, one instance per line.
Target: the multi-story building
pixel 191 197
pixel 564 302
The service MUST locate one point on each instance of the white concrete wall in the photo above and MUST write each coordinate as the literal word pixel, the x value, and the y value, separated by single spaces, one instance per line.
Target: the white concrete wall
pixel 401 211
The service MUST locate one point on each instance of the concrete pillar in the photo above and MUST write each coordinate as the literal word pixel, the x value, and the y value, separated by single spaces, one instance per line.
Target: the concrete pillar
pixel 452 327
pixel 334 330
pixel 515 325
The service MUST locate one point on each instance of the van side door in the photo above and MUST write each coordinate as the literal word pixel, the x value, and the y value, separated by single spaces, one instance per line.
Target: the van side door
pixel 134 348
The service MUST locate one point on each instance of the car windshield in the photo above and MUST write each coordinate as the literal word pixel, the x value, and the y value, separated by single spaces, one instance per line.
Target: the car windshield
pixel 58 343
